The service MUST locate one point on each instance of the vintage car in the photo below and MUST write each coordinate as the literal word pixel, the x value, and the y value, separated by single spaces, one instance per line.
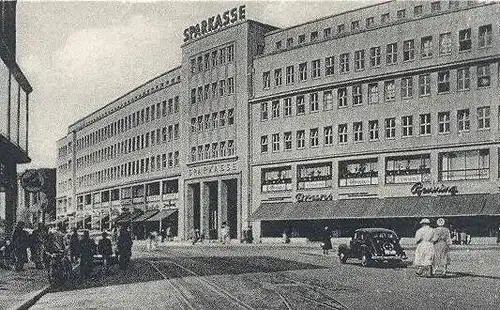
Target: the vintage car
pixel 373 245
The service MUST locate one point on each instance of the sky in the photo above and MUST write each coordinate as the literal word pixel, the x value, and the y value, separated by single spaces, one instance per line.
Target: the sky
pixel 81 55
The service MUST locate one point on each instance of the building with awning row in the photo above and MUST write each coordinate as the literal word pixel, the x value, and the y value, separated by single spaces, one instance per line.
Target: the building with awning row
pixel 372 117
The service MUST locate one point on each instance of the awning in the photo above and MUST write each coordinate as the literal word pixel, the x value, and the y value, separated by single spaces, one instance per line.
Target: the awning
pixel 424 206
pixel 145 216
pixel 129 217
pixel 161 215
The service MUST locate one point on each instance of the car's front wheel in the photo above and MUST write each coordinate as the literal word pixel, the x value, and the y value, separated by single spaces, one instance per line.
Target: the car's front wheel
pixel 342 258
pixel 365 260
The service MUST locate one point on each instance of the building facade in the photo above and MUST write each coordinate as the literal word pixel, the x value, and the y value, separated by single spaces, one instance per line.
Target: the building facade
pixel 14 92
pixel 370 117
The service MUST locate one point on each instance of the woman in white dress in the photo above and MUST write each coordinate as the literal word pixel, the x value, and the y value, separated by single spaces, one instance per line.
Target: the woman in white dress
pixel 442 242
pixel 424 253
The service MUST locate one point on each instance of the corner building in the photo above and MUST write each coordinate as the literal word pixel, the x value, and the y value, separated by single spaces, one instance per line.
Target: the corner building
pixel 372 117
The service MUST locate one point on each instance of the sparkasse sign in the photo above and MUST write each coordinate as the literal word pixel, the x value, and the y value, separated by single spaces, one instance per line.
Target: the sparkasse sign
pixel 214 23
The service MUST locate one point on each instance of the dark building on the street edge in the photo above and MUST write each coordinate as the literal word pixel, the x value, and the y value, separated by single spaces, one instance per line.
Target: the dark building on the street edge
pixel 371 117
pixel 14 94
pixel 38 207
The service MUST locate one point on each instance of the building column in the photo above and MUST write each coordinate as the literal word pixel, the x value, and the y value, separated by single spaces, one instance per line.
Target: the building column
pixel 10 198
pixel 204 208
pixel 221 206
pixel 256 232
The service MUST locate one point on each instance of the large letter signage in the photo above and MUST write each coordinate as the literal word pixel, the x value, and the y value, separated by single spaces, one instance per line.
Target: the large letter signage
pixel 214 23
pixel 318 197
pixel 419 189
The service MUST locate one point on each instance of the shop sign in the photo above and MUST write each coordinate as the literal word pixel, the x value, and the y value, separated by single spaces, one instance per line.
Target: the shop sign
pixel 316 197
pixel 214 23
pixel 212 169
pixel 32 181
pixel 419 189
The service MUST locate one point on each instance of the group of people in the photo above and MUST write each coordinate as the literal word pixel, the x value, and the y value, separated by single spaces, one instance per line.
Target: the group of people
pixel 433 245
pixel 14 250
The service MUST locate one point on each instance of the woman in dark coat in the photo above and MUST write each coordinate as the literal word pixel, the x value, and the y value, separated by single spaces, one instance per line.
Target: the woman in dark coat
pixel 20 243
pixel 326 240
pixel 124 247
pixel 87 247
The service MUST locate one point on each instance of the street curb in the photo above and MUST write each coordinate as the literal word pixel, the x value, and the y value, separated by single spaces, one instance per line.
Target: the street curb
pixel 32 299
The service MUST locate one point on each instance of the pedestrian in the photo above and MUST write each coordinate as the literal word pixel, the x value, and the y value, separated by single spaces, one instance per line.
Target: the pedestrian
pixel 498 236
pixel 442 242
pixel 74 246
pixel 124 247
pixel 105 249
pixel 87 247
pixel 225 233
pixel 463 237
pixel 168 233
pixel 196 235
pixel 155 240
pixel 36 246
pixel 163 234
pixel 326 243
pixel 424 253
pixel 20 243
pixel 114 235
pixel 284 237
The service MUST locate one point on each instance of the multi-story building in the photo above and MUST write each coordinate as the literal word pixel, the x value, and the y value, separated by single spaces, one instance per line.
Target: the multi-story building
pixel 14 92
pixel 369 117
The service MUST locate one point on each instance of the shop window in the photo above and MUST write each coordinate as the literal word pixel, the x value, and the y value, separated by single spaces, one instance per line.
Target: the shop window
pixel 105 196
pixel 311 176
pixel 127 191
pixel 115 194
pixel 358 172
pixel 276 179
pixel 170 187
pixel 464 165
pixel 138 191
pixel 153 189
pixel 408 169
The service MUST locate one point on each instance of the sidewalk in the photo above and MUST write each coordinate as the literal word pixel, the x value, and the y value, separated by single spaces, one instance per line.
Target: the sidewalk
pixel 19 288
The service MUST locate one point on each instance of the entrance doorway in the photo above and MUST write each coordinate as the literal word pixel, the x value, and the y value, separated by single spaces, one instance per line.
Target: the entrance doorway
pixel 213 206
pixel 232 207
pixel 195 189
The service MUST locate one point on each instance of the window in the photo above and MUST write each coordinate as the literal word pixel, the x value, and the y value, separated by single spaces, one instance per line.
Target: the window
pixel 424 82
pixel 357 128
pixel 435 6
pixel 401 14
pixel 443 122
pixel 328 134
pixel 327 100
pixel 214 58
pixel 287 137
pixel 302 38
pixel 464 165
pixel 445 43
pixel 426 47
pixel 342 132
pixel 357 94
pixel 222 118
pixel 303 71
pixel 484 36
pixel 289 42
pixel 373 93
pixel 375 56
pixel 358 172
pixel 407 126
pixel 406 87
pixel 215 122
pixel 318 175
pixel 344 62
pixel 301 139
pixel 389 90
pixel 276 179
pixel 483 75
pixel 329 66
pixel 408 50
pixel 275 107
pixel 314 137
pixel 370 21
pixel 277 77
pixel 230 86
pixel 408 169
pixel 463 79
pixel 359 60
pixel 390 128
pixel 313 102
pixel 340 28
pixel 193 99
pixel 392 53
pixel 425 124
pixel 443 82
pixel 301 106
pixel 316 68
pixel 287 109
pixel 276 142
pixel 206 61
pixel 230 117
pixel 342 97
pixel 264 144
pixel 266 79
pixel 384 18
pixel 483 118
pixel 327 32
pixel 463 120
pixel 355 25
pixel 290 75
pixel 314 36
pixel 417 10
pixel 222 56
pixel 373 130
pixel 464 40
pixel 230 148
pixel 263 111
pixel 278 45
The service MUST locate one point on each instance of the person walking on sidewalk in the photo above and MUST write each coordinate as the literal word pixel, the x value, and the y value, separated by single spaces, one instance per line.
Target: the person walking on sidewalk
pixel 74 246
pixel 424 253
pixel 20 243
pixel 87 255
pixel 326 243
pixel 442 242
pixel 36 246
pixel 105 249
pixel 124 247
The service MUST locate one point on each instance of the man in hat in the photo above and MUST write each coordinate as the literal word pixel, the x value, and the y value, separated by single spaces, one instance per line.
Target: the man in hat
pixel 106 250
pixel 424 253
pixel 442 242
